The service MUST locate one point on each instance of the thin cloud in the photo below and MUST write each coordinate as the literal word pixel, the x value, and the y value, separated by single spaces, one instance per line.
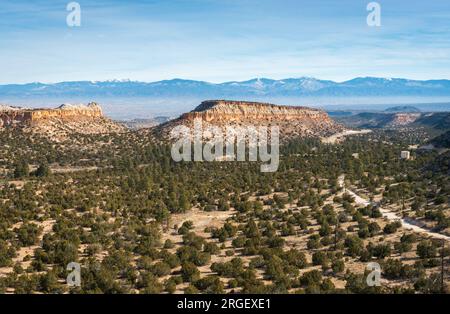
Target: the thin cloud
pixel 220 40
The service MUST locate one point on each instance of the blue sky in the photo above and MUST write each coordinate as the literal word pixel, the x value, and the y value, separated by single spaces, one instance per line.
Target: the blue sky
pixel 222 40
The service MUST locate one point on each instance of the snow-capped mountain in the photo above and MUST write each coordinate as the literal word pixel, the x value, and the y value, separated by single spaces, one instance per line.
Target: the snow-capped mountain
pixel 303 86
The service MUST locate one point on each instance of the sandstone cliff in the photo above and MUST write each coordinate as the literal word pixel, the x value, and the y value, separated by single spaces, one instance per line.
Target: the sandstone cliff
pixel 402 119
pixel 10 116
pixel 292 121
pixel 59 122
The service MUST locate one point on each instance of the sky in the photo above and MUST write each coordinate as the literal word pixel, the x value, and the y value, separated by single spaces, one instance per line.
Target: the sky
pixel 222 40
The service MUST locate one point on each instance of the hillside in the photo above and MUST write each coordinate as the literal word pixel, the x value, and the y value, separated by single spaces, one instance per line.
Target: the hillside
pixel 442 141
pixel 136 124
pixel 438 120
pixel 59 122
pixel 402 109
pixel 379 119
pixel 122 208
pixel 292 121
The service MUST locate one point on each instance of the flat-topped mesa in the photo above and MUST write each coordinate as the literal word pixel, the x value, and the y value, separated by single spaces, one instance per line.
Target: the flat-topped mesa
pixel 293 121
pixel 244 111
pixel 20 116
pixel 69 112
pixel 59 124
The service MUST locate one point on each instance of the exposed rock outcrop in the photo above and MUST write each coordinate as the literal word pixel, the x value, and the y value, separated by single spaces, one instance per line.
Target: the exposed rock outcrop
pixel 59 122
pixel 292 121
pixel 10 116
pixel 401 119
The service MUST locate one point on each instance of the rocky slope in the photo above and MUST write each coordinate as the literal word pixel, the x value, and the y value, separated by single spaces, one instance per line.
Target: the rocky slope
pixel 404 118
pixel 137 124
pixel 380 119
pixel 292 121
pixel 59 122
pixel 435 120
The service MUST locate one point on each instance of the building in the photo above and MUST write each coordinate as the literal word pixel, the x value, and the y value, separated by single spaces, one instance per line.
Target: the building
pixel 405 154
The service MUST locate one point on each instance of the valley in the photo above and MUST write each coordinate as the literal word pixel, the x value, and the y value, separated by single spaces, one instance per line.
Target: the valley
pixel 113 200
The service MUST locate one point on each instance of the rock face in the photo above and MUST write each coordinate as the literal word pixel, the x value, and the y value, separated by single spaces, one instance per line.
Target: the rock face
pixel 382 119
pixel 292 121
pixel 10 116
pixel 401 119
pixel 59 122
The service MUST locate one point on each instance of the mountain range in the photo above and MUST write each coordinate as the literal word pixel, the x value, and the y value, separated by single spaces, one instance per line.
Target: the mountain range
pixel 439 121
pixel 258 87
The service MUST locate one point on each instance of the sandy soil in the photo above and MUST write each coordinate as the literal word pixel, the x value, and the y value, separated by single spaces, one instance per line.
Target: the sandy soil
pixel 71 169
pixel 336 138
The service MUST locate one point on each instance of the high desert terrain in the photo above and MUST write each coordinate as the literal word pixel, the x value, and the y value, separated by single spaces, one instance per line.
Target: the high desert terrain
pixel 78 187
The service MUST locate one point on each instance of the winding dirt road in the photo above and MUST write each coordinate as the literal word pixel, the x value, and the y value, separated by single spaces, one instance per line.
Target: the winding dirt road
pixel 407 223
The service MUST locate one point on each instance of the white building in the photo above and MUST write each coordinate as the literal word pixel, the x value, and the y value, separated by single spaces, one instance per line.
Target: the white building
pixel 405 154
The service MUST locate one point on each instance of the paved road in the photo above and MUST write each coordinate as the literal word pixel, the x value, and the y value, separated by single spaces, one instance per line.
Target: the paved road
pixel 407 223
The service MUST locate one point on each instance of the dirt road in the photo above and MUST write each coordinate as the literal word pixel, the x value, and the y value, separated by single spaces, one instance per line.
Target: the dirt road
pixel 407 223
pixel 335 138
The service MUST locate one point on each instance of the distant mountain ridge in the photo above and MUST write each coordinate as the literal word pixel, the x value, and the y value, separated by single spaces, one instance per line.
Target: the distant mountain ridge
pixel 402 109
pixel 137 124
pixel 435 120
pixel 303 86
